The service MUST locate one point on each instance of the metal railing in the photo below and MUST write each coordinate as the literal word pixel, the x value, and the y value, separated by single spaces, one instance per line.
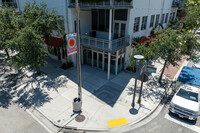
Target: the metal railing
pixel 113 3
pixel 105 45
pixel 10 4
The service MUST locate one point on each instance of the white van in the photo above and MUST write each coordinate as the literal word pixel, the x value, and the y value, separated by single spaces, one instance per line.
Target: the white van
pixel 185 102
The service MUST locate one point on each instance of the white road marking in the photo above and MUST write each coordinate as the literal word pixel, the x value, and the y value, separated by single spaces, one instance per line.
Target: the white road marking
pixel 191 127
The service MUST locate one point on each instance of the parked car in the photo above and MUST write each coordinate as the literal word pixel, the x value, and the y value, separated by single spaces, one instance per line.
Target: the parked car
pixel 197 65
pixel 186 102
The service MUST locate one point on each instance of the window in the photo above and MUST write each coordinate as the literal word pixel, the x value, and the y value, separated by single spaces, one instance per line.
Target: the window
pixel 157 19
pixel 144 23
pixel 136 24
pixel 152 21
pixel 121 14
pixel 170 18
pixel 166 18
pixel 100 20
pixel 162 19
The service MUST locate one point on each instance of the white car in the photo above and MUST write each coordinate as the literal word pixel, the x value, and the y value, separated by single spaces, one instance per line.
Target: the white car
pixel 186 102
pixel 197 65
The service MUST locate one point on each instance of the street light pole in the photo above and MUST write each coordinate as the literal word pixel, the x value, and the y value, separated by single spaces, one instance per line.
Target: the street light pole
pixel 78 53
pixel 138 58
pixel 139 100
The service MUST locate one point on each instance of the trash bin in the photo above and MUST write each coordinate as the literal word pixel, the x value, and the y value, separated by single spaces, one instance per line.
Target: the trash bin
pixel 77 104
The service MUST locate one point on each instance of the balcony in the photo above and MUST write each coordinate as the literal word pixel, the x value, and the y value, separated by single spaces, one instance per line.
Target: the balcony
pixel 10 4
pixel 104 45
pixel 104 4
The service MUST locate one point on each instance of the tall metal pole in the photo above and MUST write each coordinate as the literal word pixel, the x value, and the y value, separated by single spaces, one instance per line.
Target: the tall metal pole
pixel 133 102
pixel 78 53
pixel 139 100
pixel 138 58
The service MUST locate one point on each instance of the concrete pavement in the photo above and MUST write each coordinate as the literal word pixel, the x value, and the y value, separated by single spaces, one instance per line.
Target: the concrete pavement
pixel 52 94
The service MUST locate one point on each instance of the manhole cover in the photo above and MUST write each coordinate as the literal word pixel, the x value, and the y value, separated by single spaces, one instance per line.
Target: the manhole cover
pixel 80 118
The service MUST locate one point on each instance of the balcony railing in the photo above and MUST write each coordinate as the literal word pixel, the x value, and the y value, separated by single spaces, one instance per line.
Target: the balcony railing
pixel 104 45
pixel 104 4
pixel 10 4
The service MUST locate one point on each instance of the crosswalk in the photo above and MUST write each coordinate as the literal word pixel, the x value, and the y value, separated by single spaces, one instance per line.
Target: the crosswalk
pixel 182 123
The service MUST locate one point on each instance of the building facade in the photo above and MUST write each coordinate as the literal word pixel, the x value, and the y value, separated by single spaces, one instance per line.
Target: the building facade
pixel 108 27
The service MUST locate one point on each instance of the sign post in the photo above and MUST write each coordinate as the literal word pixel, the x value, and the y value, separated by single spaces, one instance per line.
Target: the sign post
pixel 147 69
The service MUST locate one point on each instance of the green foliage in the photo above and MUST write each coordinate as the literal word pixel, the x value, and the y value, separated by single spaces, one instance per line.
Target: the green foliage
pixel 192 3
pixel 136 40
pixel 7 26
pixel 155 28
pixel 189 45
pixel 168 43
pixel 149 52
pixel 31 52
pixel 192 18
pixel 36 21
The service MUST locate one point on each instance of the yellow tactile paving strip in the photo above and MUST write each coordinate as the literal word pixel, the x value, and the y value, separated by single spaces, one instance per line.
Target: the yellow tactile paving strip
pixel 117 122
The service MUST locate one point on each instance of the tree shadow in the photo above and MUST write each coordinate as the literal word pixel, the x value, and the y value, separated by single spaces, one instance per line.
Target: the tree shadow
pixel 26 90
pixel 5 99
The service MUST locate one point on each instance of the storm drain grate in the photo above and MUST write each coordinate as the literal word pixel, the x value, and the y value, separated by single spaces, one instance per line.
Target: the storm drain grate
pixel 80 118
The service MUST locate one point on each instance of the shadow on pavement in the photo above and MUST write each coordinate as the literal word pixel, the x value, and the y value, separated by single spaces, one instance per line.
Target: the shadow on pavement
pixel 25 90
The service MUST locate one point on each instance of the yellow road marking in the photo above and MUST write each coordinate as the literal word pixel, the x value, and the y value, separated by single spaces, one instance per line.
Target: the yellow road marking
pixel 117 122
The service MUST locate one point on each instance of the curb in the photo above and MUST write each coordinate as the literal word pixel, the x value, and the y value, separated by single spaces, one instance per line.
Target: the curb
pixel 103 130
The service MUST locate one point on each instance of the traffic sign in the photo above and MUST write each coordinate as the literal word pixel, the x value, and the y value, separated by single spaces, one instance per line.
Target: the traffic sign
pixel 151 69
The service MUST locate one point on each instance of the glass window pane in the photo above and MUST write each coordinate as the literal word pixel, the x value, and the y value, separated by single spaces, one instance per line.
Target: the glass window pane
pixel 121 14
pixel 123 28
pixel 94 19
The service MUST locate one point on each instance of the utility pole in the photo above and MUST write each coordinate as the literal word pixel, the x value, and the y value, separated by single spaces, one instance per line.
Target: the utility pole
pixel 78 52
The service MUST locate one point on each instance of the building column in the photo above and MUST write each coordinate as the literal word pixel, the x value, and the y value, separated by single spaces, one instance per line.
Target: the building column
pixel 81 54
pixel 97 60
pixel 116 63
pixel 92 58
pixel 110 35
pixel 103 56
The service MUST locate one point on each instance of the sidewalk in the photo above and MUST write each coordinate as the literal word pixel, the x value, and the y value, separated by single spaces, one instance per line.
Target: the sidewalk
pixel 103 100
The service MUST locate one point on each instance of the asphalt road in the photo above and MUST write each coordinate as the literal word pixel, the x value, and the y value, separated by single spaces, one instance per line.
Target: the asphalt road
pixel 15 120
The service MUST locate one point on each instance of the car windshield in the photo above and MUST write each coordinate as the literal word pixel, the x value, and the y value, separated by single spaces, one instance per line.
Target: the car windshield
pixel 188 95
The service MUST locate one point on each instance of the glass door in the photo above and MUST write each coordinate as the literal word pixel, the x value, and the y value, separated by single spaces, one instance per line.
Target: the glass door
pixel 119 29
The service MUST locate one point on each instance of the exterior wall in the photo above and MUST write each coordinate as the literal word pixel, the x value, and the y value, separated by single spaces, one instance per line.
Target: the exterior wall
pixel 140 8
pixel 147 8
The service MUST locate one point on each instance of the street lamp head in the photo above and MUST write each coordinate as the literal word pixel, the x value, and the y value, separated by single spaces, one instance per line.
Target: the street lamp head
pixel 138 57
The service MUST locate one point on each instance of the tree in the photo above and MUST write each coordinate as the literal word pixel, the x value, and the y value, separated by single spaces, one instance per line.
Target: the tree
pixel 189 15
pixel 168 42
pixel 7 27
pixel 34 23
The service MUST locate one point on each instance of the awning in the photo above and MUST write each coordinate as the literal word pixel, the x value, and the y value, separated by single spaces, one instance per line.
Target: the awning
pixel 55 41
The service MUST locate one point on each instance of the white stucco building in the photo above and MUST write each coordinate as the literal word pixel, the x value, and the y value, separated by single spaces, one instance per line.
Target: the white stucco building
pixel 107 28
